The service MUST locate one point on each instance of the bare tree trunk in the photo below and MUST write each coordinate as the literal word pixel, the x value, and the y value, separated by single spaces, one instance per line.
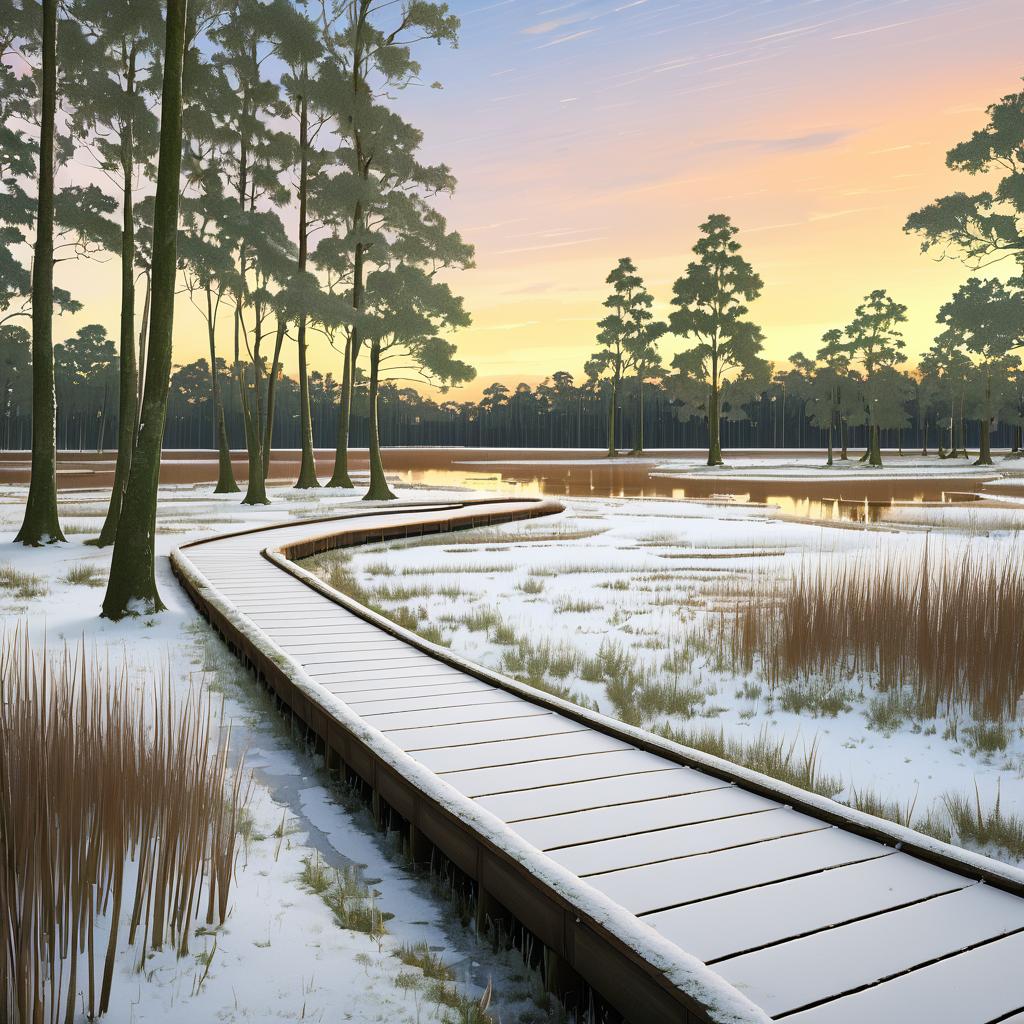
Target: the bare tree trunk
pixel 131 587
pixel 340 477
pixel 40 525
pixel 128 383
pixel 307 468
pixel 714 427
pixel 378 490
pixel 225 471
pixel 268 427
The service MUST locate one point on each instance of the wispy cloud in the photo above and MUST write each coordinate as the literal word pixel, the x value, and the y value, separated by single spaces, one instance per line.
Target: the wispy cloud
pixel 551 245
pixel 808 142
pixel 568 38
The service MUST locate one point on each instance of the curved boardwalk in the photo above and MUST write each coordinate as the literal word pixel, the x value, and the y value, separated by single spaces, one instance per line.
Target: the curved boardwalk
pixel 677 886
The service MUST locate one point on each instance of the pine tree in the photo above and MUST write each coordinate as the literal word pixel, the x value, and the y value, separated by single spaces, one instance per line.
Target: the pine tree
pixel 876 347
pixel 986 319
pixel 374 55
pixel 711 300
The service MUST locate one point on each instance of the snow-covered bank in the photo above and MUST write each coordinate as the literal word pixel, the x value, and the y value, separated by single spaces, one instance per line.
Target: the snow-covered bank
pixel 281 954
pixel 607 604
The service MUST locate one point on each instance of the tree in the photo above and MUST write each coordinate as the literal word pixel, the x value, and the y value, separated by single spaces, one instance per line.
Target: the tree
pixel 945 371
pixel 876 347
pixel 986 318
pixel 626 337
pixel 373 59
pixel 406 309
pixel 301 49
pixel 131 586
pixel 113 49
pixel 86 369
pixel 40 525
pixel 822 383
pixel 238 134
pixel 986 226
pixel 711 308
pixel 206 247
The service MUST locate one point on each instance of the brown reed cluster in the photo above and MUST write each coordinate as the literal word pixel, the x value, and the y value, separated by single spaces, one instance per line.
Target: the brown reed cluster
pixel 118 824
pixel 948 628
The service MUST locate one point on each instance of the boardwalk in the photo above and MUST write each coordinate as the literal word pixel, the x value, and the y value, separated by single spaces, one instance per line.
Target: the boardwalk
pixel 680 888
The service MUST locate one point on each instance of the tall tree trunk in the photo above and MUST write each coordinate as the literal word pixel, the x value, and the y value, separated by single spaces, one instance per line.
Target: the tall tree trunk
pixel 829 462
pixel 128 383
pixel 378 490
pixel 340 477
pixel 874 447
pixel 612 450
pixel 225 472
pixel 141 374
pixel 843 453
pixel 131 587
pixel 40 525
pixel 638 447
pixel 307 468
pixel 268 426
pixel 714 427
pixel 985 450
pixel 256 486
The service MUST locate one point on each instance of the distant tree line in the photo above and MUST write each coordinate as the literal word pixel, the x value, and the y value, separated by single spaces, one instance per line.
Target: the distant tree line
pixel 792 411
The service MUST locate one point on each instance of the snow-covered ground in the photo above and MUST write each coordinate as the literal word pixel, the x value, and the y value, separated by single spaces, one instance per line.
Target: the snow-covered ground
pixel 556 602
pixel 894 467
pixel 281 954
pixel 618 585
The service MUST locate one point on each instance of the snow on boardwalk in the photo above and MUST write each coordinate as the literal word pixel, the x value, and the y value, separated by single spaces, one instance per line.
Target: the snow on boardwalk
pixel 679 887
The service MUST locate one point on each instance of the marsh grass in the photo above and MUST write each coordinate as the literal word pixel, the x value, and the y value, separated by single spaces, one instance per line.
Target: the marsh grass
pixel 84 574
pixel 773 756
pixel 944 630
pixel 120 814
pixel 983 828
pixel 346 893
pixel 23 585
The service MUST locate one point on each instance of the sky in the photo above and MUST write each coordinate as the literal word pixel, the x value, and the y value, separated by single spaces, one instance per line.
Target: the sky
pixel 581 131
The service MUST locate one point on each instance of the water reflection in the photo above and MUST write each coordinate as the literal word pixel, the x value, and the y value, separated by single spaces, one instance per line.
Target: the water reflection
pixel 801 498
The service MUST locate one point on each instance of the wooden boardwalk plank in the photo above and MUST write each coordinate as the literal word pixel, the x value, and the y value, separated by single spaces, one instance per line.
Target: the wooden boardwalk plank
pixel 727 925
pixel 453 739
pixel 705 837
pixel 854 955
pixel 598 765
pixel 577 739
pixel 527 805
pixel 675 882
pixel 975 987
pixel 568 830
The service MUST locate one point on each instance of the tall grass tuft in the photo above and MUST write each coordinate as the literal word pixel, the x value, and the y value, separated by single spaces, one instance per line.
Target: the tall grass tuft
pixel 947 630
pixel 118 825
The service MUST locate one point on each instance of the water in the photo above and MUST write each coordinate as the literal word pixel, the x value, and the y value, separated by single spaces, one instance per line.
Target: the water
pixel 849 495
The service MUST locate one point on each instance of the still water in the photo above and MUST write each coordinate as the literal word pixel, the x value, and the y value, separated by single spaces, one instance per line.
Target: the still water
pixel 554 472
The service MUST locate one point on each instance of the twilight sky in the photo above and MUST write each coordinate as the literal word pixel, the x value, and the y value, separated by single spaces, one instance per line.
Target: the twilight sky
pixel 585 130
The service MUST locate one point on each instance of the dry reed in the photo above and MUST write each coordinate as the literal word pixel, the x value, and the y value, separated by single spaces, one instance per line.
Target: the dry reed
pixel 946 628
pixel 118 815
